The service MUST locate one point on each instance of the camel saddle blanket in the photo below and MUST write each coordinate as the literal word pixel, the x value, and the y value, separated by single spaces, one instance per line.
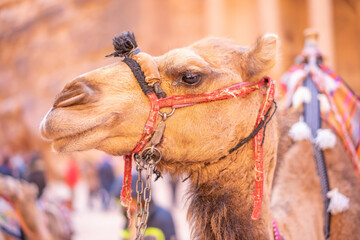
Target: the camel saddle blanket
pixel 343 105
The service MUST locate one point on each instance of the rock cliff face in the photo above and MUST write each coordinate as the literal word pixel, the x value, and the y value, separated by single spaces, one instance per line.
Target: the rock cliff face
pixel 45 43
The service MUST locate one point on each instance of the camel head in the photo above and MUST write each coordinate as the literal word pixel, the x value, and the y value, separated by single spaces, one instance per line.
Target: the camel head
pixel 105 109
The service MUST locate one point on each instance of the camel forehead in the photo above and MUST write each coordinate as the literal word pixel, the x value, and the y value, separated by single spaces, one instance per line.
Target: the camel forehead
pixel 217 48
pixel 212 43
pixel 206 53
pixel 182 59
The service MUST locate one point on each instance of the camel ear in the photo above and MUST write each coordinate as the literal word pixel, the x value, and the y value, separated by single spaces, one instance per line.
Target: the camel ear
pixel 261 57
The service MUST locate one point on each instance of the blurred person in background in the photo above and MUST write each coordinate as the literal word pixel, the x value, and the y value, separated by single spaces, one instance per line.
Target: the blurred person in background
pixel 106 176
pixel 160 225
pixel 19 166
pixel 72 177
pixel 35 173
pixel 5 167
pixel 90 175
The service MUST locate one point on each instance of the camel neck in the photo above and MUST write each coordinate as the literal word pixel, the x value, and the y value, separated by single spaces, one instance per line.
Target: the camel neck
pixel 221 206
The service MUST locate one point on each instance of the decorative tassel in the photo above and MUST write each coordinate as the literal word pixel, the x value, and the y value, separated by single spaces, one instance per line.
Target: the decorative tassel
pixel 124 45
pixel 329 83
pixel 338 202
pixel 301 95
pixel 300 131
pixel 324 103
pixel 325 139
pixel 293 79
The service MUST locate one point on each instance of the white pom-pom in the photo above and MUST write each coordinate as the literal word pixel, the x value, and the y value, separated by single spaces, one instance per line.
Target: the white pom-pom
pixel 338 202
pixel 330 84
pixel 291 79
pixel 300 131
pixel 301 95
pixel 324 103
pixel 325 139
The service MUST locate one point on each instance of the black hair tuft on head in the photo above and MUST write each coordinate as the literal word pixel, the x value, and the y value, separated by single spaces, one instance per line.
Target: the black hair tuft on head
pixel 124 45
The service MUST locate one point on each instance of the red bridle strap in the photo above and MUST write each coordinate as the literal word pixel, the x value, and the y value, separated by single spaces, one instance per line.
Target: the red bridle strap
pixel 145 137
pixel 150 123
pixel 178 101
pixel 240 89
pixel 258 152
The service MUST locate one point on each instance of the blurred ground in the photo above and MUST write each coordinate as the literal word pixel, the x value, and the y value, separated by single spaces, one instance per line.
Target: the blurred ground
pixel 95 224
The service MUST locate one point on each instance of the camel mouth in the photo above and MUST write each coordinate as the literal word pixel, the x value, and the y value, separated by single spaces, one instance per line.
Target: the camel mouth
pixel 63 143
pixel 66 139
pixel 80 141
pixel 48 133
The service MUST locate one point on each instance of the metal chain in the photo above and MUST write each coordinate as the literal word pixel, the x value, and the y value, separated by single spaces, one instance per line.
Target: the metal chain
pixel 144 194
pixel 147 160
pixel 139 208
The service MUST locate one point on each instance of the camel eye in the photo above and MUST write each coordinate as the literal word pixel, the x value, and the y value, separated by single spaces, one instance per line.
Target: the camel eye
pixel 190 78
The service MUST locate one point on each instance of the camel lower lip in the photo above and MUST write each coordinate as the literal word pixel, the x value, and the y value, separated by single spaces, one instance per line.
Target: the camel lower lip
pixel 76 135
pixel 85 140
pixel 62 143
pixel 67 144
pixel 69 136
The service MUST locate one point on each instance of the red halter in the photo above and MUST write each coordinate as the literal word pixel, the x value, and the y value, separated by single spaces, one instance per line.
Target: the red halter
pixel 179 101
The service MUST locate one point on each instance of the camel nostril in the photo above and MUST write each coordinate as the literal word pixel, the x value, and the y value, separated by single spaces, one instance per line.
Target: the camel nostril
pixel 69 99
pixel 77 94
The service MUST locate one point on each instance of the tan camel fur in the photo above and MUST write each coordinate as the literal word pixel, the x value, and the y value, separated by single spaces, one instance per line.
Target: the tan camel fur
pixel 105 109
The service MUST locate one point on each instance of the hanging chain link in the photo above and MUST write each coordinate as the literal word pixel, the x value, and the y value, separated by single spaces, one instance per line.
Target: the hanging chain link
pixel 139 208
pixel 147 161
pixel 143 195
